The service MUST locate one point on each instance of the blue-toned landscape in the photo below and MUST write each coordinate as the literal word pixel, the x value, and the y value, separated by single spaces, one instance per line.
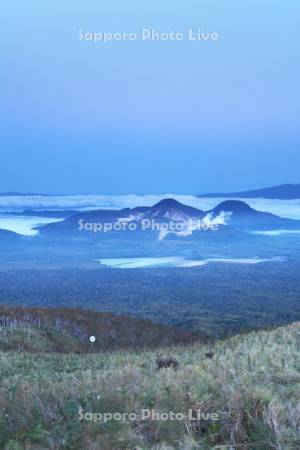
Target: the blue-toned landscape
pixel 166 302
pixel 227 269
pixel 150 225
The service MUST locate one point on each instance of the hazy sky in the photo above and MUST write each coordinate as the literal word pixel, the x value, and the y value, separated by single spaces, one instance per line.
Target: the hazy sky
pixel 149 117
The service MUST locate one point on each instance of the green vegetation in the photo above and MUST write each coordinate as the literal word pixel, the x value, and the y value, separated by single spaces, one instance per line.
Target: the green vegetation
pixel 213 300
pixel 251 381
pixel 216 300
pixel 65 330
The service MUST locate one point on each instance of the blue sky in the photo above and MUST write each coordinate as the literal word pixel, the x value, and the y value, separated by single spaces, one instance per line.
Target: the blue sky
pixel 149 117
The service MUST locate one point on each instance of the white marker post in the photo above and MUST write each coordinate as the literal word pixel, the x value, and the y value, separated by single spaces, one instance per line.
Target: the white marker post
pixel 92 340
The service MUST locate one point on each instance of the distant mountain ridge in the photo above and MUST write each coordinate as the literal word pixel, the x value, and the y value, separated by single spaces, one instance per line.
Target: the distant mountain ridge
pixel 229 215
pixel 287 191
pixel 282 192
pixel 167 209
pixel 163 219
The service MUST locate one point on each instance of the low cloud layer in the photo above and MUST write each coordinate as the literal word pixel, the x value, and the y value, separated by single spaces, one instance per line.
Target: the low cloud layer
pixel 283 208
pixel 179 261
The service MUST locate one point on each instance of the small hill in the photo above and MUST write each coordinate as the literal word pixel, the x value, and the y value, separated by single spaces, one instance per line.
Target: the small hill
pixel 243 217
pixel 69 330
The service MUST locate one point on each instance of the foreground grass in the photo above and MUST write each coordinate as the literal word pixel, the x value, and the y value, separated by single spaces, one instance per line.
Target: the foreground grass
pixel 252 383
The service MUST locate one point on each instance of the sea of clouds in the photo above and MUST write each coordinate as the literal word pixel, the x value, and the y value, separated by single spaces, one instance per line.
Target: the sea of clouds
pixel 283 208
pixel 25 225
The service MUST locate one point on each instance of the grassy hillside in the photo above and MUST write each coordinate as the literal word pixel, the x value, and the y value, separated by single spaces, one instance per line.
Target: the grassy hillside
pixel 68 330
pixel 252 383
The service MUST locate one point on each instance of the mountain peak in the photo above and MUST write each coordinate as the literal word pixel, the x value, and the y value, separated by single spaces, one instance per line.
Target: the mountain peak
pixel 168 203
pixel 234 206
pixel 171 209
